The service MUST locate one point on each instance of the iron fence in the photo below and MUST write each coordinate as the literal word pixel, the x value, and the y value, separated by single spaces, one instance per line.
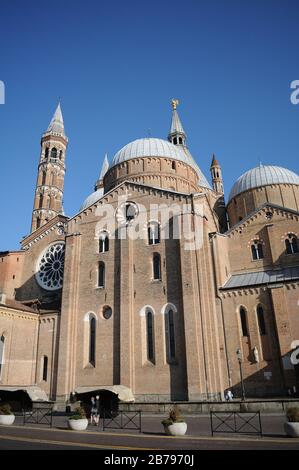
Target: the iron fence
pixel 38 416
pixel 122 420
pixel 236 422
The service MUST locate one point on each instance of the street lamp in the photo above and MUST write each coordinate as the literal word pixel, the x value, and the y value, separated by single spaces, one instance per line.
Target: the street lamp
pixel 239 357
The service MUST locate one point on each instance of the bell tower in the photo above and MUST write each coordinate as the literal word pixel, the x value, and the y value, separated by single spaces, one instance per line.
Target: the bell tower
pixel 51 172
pixel 216 176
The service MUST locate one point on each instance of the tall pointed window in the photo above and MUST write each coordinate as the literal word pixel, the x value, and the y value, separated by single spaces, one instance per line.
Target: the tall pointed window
pixel 291 243
pixel 261 320
pixel 157 266
pixel 170 334
pixel 2 340
pixel 153 233
pixel 150 335
pixel 54 153
pixel 45 368
pixel 46 152
pixel 103 242
pixel 257 250
pixel 101 274
pixel 92 341
pixel 243 320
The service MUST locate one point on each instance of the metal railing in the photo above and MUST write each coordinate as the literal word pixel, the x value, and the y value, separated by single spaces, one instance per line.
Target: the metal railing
pixel 38 416
pixel 236 422
pixel 122 420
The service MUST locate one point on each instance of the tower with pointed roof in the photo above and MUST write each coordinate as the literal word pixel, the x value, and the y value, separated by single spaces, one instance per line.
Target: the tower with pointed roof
pixel 105 167
pixel 216 176
pixel 51 172
pixel 176 134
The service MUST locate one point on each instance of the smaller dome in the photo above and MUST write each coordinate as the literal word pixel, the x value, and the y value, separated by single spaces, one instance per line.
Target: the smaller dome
pixel 263 175
pixel 92 198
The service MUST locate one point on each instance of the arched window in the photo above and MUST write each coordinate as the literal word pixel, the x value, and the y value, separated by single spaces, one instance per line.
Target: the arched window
pixel 46 152
pixel 45 368
pixel 175 141
pixel 261 320
pixel 150 335
pixel 170 333
pixel 2 340
pixel 54 153
pixel 173 165
pixel 103 242
pixel 243 320
pixel 257 250
pixel 101 274
pixel 38 222
pixel 157 266
pixel 180 140
pixel 92 341
pixel 40 205
pixel 291 243
pixel 153 233
pixel 44 177
pixel 60 155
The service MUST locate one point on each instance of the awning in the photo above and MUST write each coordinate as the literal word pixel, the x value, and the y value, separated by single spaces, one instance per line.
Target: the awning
pixel 35 393
pixel 124 393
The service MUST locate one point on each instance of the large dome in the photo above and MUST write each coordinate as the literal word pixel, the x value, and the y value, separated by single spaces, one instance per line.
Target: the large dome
pixel 263 175
pixel 152 147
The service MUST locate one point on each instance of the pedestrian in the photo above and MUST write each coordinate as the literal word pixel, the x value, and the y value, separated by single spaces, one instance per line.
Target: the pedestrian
pixel 93 412
pixel 97 405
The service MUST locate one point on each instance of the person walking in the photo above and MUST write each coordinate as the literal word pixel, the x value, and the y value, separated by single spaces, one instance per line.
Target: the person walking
pixel 93 411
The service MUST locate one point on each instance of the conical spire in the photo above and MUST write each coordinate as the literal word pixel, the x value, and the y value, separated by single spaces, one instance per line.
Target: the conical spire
pixel 176 134
pixel 214 161
pixel 56 125
pixel 104 169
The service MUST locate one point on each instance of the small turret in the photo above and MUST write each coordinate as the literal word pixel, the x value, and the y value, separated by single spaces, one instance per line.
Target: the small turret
pixel 176 134
pixel 216 176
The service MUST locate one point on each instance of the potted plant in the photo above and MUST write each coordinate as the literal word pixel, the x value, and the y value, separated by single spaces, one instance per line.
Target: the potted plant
pixel 174 425
pixel 292 426
pixel 78 421
pixel 6 415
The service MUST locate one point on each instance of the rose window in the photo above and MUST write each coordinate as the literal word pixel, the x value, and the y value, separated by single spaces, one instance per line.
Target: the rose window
pixel 50 267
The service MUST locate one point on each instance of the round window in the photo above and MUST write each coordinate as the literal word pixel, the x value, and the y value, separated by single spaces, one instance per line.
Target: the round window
pixel 107 313
pixel 50 267
pixel 126 212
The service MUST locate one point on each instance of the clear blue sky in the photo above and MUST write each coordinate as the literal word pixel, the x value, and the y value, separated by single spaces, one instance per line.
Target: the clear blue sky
pixel 116 65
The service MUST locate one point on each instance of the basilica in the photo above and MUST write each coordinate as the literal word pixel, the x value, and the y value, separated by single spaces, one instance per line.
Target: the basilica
pixel 159 288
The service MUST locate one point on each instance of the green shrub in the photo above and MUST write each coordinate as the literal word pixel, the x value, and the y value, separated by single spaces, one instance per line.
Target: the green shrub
pixel 174 416
pixel 293 414
pixel 79 413
pixel 5 409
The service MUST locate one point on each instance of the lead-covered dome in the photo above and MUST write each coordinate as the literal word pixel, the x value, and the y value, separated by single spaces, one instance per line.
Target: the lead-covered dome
pixel 263 175
pixel 92 198
pixel 153 147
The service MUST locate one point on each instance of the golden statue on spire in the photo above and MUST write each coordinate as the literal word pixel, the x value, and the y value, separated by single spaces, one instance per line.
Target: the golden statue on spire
pixel 174 103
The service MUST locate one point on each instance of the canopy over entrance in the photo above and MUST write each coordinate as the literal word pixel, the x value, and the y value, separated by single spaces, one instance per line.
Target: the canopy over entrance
pixel 124 393
pixel 35 393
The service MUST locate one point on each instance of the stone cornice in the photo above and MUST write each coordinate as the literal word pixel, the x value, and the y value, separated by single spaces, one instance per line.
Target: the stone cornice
pixel 58 222
pixel 278 210
pixel 239 292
